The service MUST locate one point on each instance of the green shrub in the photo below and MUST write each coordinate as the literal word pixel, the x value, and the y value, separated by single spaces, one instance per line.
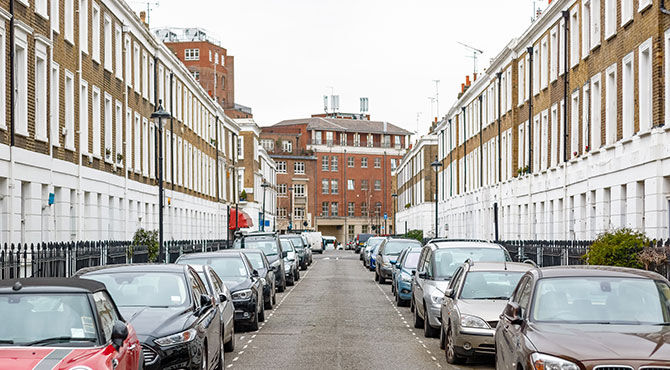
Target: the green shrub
pixel 145 238
pixel 415 234
pixel 617 248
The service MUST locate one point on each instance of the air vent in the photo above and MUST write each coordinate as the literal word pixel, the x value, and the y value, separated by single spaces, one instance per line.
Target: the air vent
pixel 150 356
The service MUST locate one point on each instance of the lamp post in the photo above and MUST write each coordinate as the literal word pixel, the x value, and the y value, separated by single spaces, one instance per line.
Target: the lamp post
pixel 158 116
pixel 395 210
pixel 264 185
pixel 436 166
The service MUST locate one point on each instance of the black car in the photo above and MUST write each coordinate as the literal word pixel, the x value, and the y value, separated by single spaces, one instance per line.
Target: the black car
pixel 260 262
pixel 300 248
pixel 269 244
pixel 360 242
pixel 169 307
pixel 245 285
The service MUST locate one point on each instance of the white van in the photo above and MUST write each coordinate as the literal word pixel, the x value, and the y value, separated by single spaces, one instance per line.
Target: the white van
pixel 329 241
pixel 315 240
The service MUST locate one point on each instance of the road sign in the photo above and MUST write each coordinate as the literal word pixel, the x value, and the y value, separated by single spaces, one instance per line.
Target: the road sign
pixel 386 216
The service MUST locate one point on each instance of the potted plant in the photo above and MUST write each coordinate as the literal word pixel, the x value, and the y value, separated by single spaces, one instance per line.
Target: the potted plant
pixel 108 153
pixel 243 195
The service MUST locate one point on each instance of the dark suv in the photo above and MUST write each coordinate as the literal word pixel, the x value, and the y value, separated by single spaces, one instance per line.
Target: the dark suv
pixel 300 248
pixel 268 243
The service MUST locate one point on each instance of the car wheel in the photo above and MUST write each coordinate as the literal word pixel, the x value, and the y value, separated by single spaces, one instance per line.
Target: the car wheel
pixel 230 345
pixel 428 331
pixel 382 280
pixel 442 337
pixel 411 303
pixel 268 304
pixel 282 287
pixel 261 315
pixel 203 363
pixel 297 274
pixel 376 276
pixel 418 321
pixel 397 300
pixel 221 364
pixel 274 297
pixel 450 351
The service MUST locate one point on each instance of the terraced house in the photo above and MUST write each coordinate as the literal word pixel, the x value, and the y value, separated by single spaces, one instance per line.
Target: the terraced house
pixel 566 132
pixel 78 149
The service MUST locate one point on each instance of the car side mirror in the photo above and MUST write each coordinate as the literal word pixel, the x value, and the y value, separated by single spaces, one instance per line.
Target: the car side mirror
pixel 413 272
pixel 254 273
pixel 423 275
pixel 512 313
pixel 449 293
pixel 119 334
pixel 205 300
pixel 222 297
pixel 284 254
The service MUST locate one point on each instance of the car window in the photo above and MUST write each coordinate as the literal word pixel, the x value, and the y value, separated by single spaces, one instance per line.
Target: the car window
pixel 256 260
pixel 106 313
pixel 524 296
pixel 428 264
pixel 216 282
pixel 197 286
pixel 266 244
pixel 455 280
pixel 411 259
pixel 394 247
pixel 226 267
pixel 139 288
pixel 422 258
pixel 489 284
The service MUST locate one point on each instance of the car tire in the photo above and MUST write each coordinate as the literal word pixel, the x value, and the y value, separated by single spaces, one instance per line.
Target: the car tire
pixel 450 351
pixel 282 287
pixel 442 337
pixel 297 274
pixel 267 304
pixel 382 280
pixel 376 276
pixel 418 321
pixel 221 364
pixel 411 303
pixel 261 315
pixel 229 346
pixel 290 282
pixel 428 331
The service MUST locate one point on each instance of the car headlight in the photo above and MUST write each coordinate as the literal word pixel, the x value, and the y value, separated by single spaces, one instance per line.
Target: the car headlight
pixel 437 297
pixel 468 321
pixel 242 294
pixel 275 264
pixel 183 337
pixel 545 362
pixel 406 277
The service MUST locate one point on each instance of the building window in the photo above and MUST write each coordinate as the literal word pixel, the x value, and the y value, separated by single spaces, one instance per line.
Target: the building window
pixel 95 33
pixel 191 54
pixel 196 75
pixel 357 140
pixel 281 189
pixel 364 210
pixel 544 64
pixel 351 184
pixel 145 75
pixel 281 212
pixel 610 18
pixel 350 231
pixel 334 186
pixel 364 184
pixel 54 104
pixel 627 11
pixel 574 124
pixel 69 110
pixel 55 19
pixel 136 67
pixel 522 82
pixel 316 136
pixel 119 137
pixel 83 118
pixel 299 190
pixel 40 91
pixel 334 209
pixel 287 146
pixel 378 184
pixel 378 208
pixel 325 186
pixel 325 163
pixel 351 211
pixel 69 20
pixel 586 27
pixel 596 111
pixel 96 103
pixel 645 85
pixel 364 229
pixel 268 144
pixel 299 168
pixel 364 162
pixel 343 138
pixel 378 163
pixel 281 167
pixel 21 88
pixel 628 95
pixel 299 213
pixel 324 209
pixel 118 51
pixel 553 54
pixel 333 164
pixel 83 26
pixel 350 162
pixel 394 164
pixel 329 138
pixel 574 37
pixel 611 105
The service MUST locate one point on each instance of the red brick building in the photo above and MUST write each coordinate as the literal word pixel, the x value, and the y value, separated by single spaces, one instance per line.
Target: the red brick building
pixel 354 158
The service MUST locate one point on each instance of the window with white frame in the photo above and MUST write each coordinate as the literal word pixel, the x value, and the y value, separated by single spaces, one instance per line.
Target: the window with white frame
pixel 129 64
pixel 553 54
pixel 299 190
pixel 287 146
pixel 334 163
pixel 596 112
pixel 299 168
pixel 268 144
pixel 378 185
pixel 152 80
pixel 574 124
pixel 69 110
pixel 129 138
pixel 21 80
pixel 325 186
pixel 54 103
pixel 40 90
pixel 645 85
pixel 574 37
pixel 334 186
pixel 536 143
pixel 544 144
pixel 96 101
pixel 627 95
pixel 108 126
pixel 55 19
pixel 95 32
pixel 522 81
pixel 107 32
pixel 508 88
pixel 118 147
pixel 610 18
pixel 586 28
pixel 351 184
pixel 611 105
pixel 627 11
pixel 83 26
pixel 41 8
pixel 544 63
pixel 191 54
pixel 136 143
pixel 118 51
pixel 145 75
pixel 595 23
pixel 136 67
pixel 281 166
pixel 536 70
pixel 666 62
pixel 69 20
pixel 83 117
pixel 554 135
pixel 281 189
pixel 561 47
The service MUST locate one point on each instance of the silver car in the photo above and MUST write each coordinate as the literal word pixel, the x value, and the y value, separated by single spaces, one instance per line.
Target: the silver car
pixel 473 302
pixel 438 261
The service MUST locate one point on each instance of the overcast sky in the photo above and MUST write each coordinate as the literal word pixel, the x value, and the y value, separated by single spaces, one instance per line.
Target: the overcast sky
pixel 288 53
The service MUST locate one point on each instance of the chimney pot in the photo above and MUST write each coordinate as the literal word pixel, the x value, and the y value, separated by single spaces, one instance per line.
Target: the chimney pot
pixel 474 76
pixel 467 80
pixel 143 16
pixel 462 88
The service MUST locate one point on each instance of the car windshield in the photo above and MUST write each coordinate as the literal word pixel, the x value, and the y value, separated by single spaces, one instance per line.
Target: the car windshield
pixel 297 242
pixel 447 260
pixel 267 245
pixel 602 300
pixel 153 289
pixel 256 260
pixel 412 260
pixel 490 284
pixel 394 247
pixel 46 319
pixel 373 243
pixel 225 267
pixel 286 245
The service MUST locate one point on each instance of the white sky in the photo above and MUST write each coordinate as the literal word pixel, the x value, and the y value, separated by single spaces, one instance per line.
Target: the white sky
pixel 288 53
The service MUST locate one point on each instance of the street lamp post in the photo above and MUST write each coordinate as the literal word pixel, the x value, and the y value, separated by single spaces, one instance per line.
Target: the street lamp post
pixel 395 210
pixel 264 185
pixel 159 115
pixel 436 166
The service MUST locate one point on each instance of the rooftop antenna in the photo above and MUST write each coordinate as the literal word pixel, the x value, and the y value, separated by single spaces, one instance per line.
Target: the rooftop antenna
pixel 475 52
pixel 432 105
pixel 150 6
pixel 418 117
pixel 437 97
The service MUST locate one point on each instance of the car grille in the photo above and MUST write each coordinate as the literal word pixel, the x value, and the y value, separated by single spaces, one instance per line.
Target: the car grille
pixel 654 368
pixel 150 356
pixel 613 367
pixel 493 324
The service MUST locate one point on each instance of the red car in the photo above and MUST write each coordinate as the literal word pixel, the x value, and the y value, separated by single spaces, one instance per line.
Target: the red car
pixel 69 324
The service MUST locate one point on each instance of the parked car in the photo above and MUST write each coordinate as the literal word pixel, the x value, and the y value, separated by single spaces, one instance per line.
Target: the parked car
pixel 290 261
pixel 269 244
pixel 308 249
pixel 315 240
pixel 169 306
pixel 370 245
pixel 329 241
pixel 387 256
pixel 260 262
pixel 224 302
pixel 360 240
pixel 476 296
pixel 403 273
pixel 54 321
pixel 300 247
pixel 586 317
pixel 438 261
pixel 243 281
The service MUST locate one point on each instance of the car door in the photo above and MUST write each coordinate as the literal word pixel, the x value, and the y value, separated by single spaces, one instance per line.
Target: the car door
pixel 208 320
pixel 419 282
pixel 448 306
pixel 215 291
pixel 510 341
pixel 128 355
pixel 270 276
pixel 228 314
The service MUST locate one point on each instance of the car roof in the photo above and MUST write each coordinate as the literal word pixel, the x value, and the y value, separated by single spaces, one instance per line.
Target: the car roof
pixel 259 233
pixel 397 239
pixel 52 285
pixel 225 253
pixel 501 266
pixel 596 271
pixel 463 244
pixel 145 267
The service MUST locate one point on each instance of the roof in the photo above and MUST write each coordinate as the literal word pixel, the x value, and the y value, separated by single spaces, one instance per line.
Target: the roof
pixel 501 266
pixel 597 271
pixel 53 284
pixel 226 253
pixel 145 267
pixel 464 244
pixel 346 125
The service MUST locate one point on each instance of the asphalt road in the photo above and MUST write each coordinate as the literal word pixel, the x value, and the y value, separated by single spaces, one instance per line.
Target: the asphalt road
pixel 337 317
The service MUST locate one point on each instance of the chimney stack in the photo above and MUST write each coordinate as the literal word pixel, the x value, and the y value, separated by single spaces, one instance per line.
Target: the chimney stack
pixel 475 77
pixel 467 80
pixel 143 18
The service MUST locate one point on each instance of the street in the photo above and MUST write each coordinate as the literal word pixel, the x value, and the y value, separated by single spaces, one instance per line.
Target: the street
pixel 337 317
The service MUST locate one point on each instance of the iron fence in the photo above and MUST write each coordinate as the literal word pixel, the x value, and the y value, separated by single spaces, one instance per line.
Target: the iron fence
pixel 548 252
pixel 63 259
